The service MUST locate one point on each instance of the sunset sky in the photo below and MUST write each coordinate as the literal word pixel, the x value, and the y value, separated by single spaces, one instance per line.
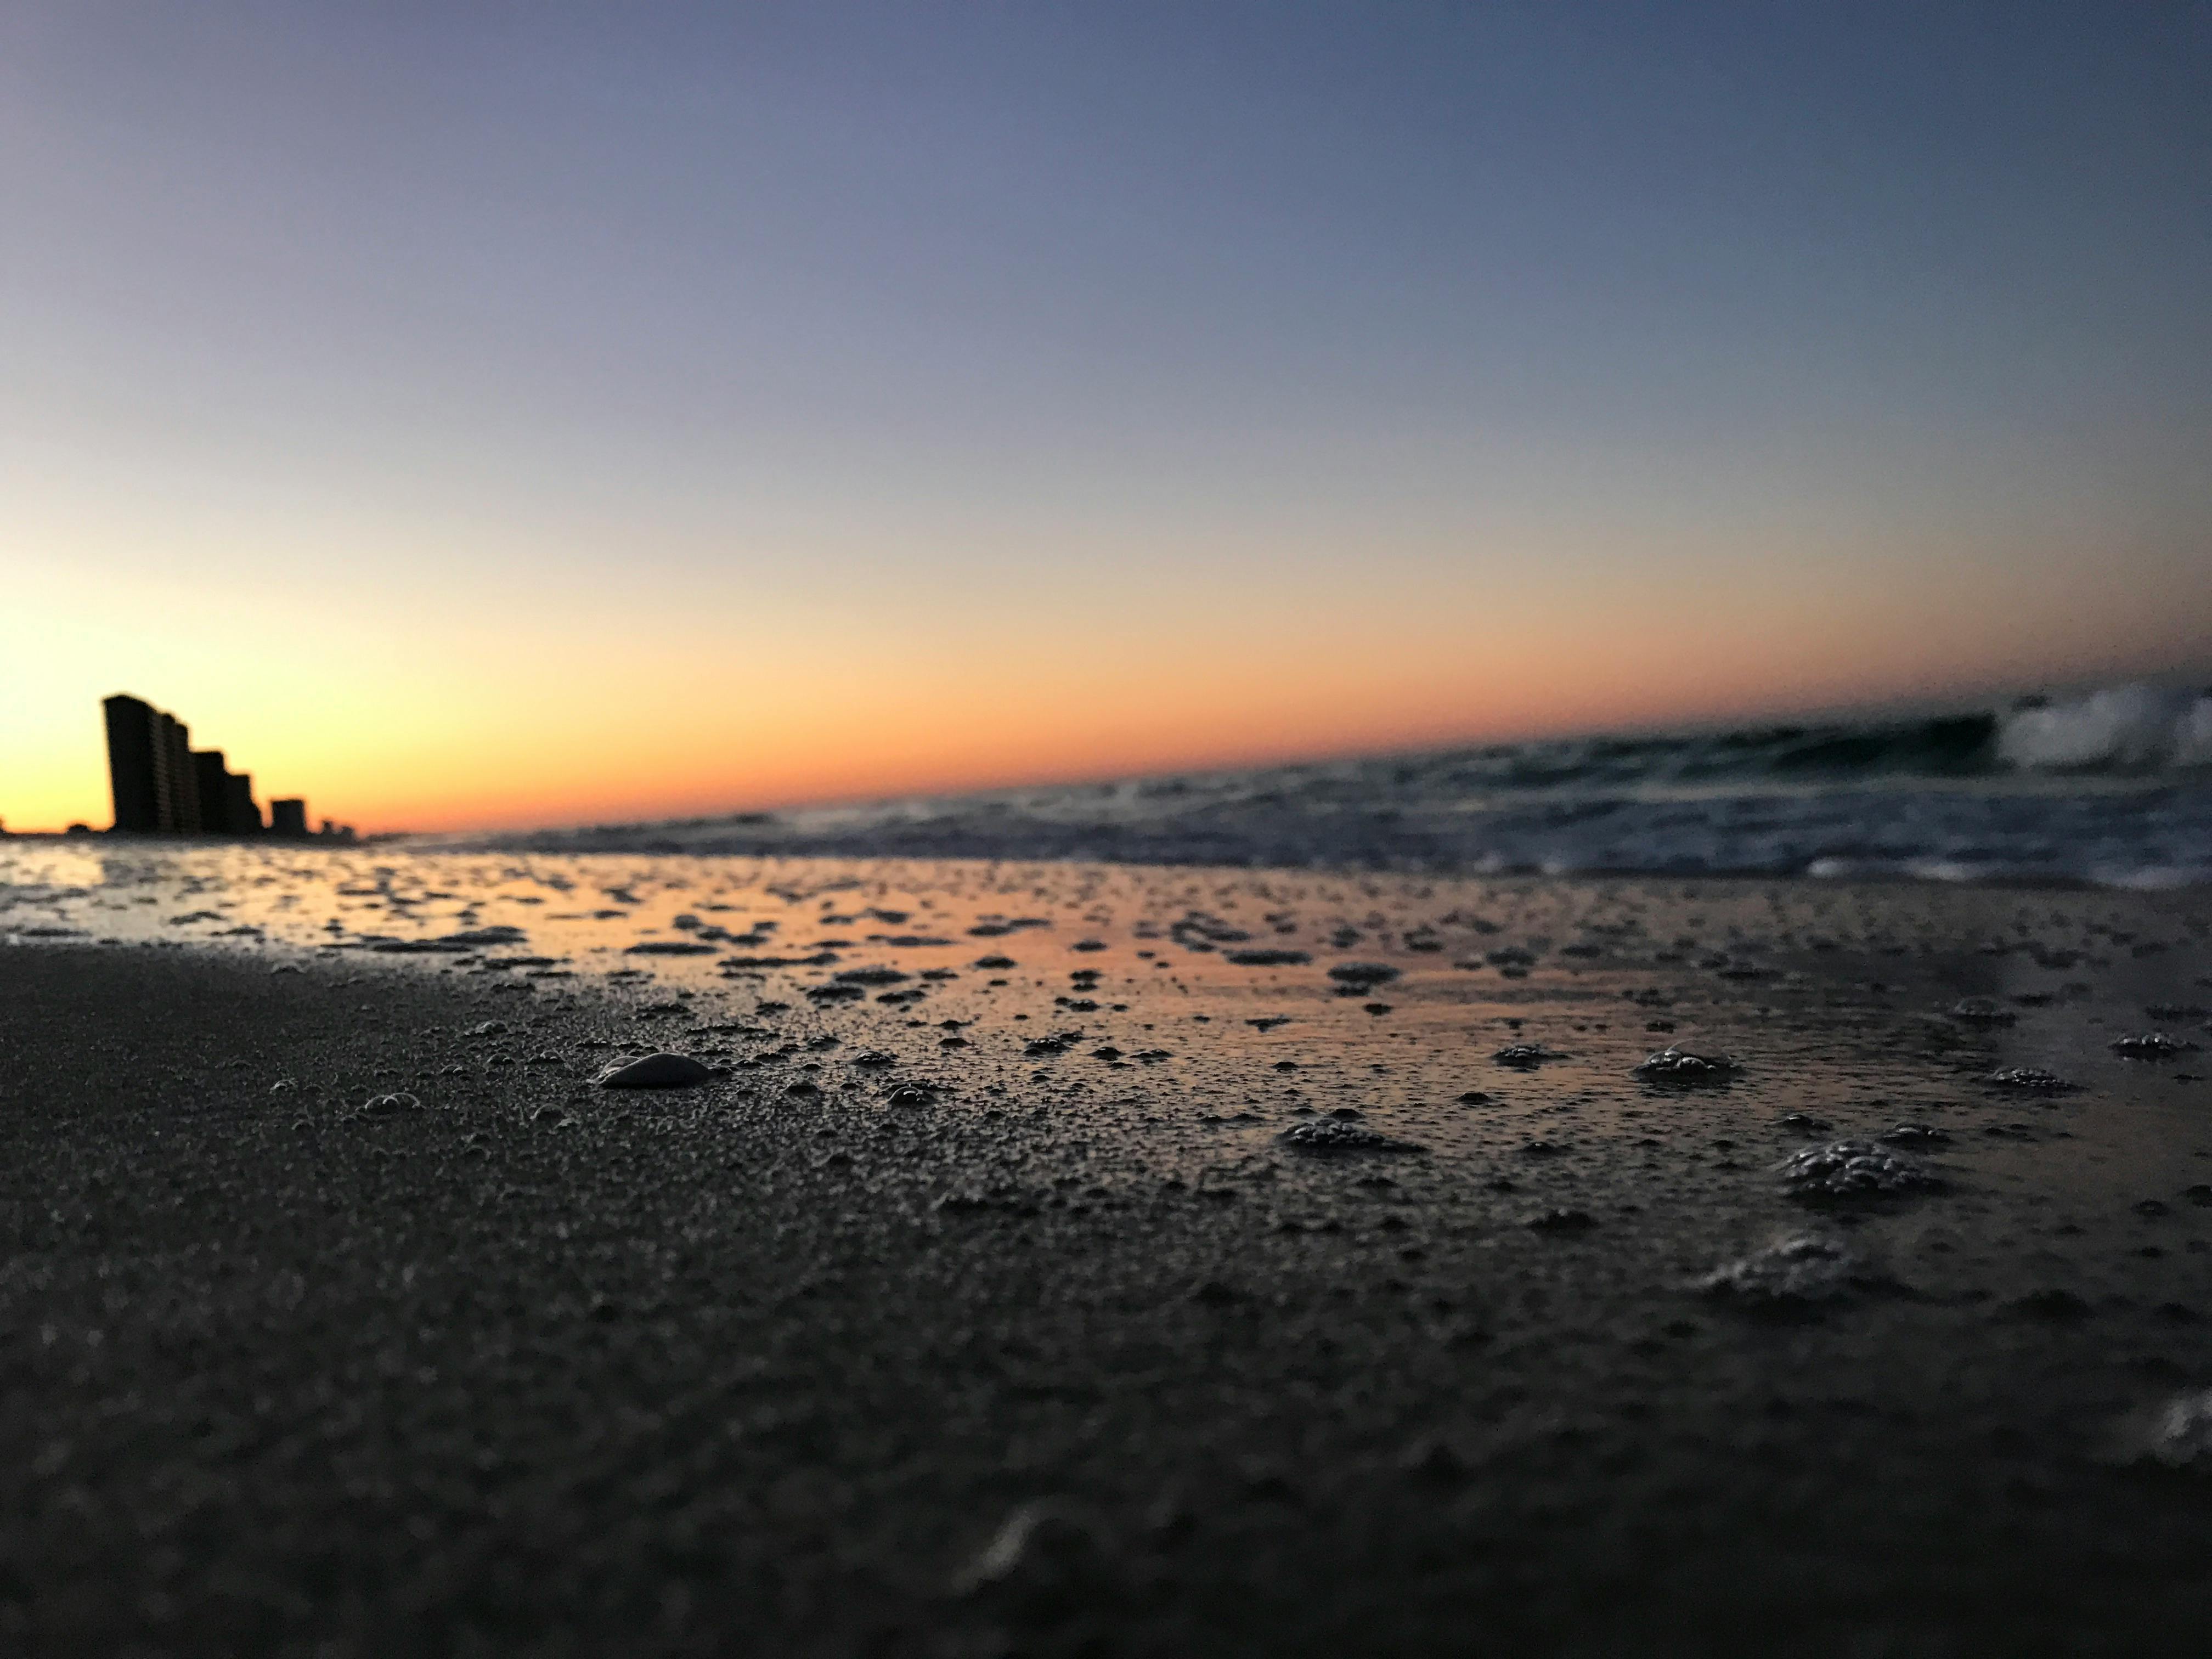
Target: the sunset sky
pixel 477 415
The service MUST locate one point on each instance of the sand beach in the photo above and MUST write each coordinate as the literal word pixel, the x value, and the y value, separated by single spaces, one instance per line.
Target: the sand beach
pixel 1067 1259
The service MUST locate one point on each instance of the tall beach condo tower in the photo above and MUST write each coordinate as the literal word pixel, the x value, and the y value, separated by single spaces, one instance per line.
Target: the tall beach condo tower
pixel 225 797
pixel 151 771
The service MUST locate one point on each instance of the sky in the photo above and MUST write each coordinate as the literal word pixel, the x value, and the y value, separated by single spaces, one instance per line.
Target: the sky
pixel 475 415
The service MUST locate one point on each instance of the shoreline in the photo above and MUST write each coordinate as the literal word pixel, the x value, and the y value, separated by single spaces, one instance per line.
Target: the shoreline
pixel 1073 1354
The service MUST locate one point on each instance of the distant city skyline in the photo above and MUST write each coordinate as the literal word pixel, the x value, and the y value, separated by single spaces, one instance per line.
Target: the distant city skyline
pixel 160 784
pixel 488 418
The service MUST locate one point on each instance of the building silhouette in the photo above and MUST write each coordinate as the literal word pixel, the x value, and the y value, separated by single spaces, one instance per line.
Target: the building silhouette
pixel 225 797
pixel 242 814
pixel 164 786
pixel 150 770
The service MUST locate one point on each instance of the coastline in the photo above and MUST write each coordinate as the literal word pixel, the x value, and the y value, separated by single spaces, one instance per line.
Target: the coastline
pixel 1079 1355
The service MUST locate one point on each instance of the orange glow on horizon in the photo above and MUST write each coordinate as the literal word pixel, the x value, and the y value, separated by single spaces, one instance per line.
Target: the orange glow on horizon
pixel 394 705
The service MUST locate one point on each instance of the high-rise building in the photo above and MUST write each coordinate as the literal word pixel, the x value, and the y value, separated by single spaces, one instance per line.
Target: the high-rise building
pixel 209 773
pixel 183 781
pixel 163 785
pixel 226 798
pixel 133 763
pixel 240 813
pixel 149 768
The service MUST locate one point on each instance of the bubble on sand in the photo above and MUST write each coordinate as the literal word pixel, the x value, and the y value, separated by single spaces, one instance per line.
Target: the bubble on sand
pixel 1331 1134
pixel 1916 1135
pixel 1852 1168
pixel 1804 1268
pixel 2150 1045
pixel 661 1071
pixel 1679 1066
pixel 2033 1078
pixel 389 1105
pixel 1527 1057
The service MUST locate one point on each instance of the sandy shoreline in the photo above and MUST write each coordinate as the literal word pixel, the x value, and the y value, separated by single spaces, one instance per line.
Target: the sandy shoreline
pixel 768 1364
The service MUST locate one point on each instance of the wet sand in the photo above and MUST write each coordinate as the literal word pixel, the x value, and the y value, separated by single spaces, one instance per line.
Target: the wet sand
pixel 994 1312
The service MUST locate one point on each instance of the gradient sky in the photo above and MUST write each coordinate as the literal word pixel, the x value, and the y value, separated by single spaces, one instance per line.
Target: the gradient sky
pixel 473 414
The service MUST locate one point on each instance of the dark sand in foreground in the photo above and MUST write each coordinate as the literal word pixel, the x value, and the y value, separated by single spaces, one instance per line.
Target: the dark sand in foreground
pixel 1077 1355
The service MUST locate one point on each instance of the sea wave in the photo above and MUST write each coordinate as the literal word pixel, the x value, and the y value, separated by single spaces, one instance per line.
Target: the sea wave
pixel 2130 728
pixel 2112 786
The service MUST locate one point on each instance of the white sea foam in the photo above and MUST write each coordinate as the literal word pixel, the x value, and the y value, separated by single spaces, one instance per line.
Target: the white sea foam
pixel 2129 727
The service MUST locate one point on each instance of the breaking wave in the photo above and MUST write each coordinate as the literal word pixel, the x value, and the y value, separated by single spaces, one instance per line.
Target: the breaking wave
pixel 2112 786
pixel 2125 728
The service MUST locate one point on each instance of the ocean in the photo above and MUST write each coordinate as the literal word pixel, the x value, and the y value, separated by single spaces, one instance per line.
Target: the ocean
pixel 2109 788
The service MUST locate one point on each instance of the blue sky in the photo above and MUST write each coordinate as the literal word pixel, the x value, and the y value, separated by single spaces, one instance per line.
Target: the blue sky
pixel 1158 330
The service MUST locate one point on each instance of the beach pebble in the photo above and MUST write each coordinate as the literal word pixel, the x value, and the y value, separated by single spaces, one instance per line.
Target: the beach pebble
pixel 662 1070
pixel 669 947
pixel 1678 1064
pixel 1851 1169
pixel 1805 1267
